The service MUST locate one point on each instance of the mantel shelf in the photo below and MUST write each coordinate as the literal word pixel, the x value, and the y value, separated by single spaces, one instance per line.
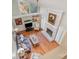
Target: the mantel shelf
pixel 31 14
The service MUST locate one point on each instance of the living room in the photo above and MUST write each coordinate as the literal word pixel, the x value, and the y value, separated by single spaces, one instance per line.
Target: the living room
pixel 44 29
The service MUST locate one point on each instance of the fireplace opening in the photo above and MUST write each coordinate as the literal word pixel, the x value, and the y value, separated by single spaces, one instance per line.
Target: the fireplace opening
pixel 49 32
pixel 28 26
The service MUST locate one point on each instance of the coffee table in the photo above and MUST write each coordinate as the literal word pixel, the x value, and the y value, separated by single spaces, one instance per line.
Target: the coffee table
pixel 34 40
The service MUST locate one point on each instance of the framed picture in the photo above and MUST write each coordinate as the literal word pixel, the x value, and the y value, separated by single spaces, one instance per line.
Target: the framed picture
pixel 52 18
pixel 55 17
pixel 36 18
pixel 18 21
pixel 26 6
pixel 23 6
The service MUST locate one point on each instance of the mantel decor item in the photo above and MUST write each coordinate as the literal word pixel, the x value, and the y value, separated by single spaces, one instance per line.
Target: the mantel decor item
pixel 36 18
pixel 36 22
pixel 18 21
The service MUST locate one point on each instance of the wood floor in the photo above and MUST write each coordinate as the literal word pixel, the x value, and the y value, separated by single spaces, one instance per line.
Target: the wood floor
pixel 44 45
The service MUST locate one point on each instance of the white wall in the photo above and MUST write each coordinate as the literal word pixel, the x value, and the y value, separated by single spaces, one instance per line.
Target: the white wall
pixel 53 4
pixel 15 10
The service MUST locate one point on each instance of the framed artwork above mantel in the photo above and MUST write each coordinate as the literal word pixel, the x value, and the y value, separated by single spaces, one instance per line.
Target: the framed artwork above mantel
pixel 54 17
pixel 28 6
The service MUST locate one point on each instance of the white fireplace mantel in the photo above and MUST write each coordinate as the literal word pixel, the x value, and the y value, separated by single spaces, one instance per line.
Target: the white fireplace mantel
pixel 53 29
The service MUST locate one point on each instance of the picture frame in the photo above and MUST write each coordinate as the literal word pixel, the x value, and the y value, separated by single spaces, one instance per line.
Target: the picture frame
pixel 27 7
pixel 36 18
pixel 52 18
pixel 23 6
pixel 55 17
pixel 18 21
